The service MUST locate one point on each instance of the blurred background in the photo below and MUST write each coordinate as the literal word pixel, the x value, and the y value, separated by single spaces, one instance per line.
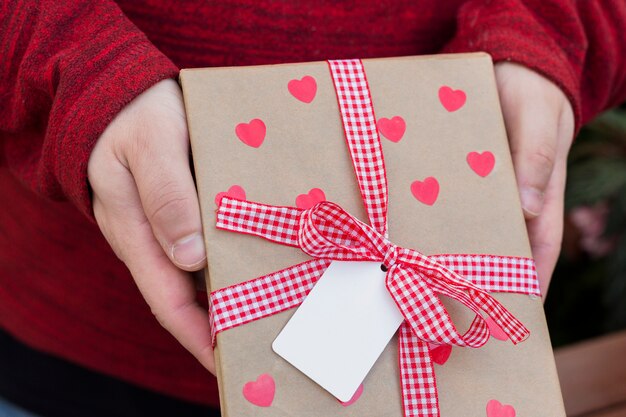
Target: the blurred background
pixel 587 296
pixel 586 305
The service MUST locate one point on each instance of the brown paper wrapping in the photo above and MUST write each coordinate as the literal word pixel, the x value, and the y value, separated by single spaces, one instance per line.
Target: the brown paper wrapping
pixel 305 148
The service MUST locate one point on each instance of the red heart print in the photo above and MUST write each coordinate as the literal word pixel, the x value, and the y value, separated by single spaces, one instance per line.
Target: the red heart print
pixel 496 409
pixel 260 392
pixel 306 201
pixel 236 191
pixel 452 100
pixel 354 398
pixel 252 133
pixel 439 353
pixel 495 330
pixel 426 191
pixel 393 129
pixel 481 163
pixel 303 89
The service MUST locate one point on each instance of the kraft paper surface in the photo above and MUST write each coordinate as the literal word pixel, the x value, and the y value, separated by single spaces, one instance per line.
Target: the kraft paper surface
pixel 305 148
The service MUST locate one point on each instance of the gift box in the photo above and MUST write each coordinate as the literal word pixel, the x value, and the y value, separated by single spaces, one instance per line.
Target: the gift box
pixel 411 155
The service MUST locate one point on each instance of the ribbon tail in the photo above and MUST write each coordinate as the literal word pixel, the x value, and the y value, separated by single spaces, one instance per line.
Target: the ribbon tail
pixel 514 328
pixel 479 300
pixel 417 376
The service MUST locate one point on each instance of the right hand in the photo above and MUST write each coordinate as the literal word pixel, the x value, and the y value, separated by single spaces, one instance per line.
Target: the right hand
pixel 145 203
pixel 540 126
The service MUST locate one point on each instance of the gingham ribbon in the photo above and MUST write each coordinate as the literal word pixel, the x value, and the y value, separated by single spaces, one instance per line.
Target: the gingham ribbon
pixel 327 232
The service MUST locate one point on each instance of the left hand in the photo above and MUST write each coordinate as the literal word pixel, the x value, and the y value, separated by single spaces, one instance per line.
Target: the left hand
pixel 540 126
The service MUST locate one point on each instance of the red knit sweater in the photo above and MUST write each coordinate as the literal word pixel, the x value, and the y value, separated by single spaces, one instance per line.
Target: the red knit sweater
pixel 67 67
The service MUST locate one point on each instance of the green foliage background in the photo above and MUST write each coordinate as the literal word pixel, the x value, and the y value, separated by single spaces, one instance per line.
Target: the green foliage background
pixel 587 296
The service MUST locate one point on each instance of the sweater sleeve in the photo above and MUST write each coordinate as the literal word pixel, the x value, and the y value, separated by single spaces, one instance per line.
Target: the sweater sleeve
pixel 67 68
pixel 579 45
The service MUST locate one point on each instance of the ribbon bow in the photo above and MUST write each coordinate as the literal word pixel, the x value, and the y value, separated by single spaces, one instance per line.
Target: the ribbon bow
pixel 326 231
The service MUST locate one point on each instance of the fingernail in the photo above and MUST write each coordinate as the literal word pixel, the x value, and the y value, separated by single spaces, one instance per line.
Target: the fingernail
pixel 189 251
pixel 532 201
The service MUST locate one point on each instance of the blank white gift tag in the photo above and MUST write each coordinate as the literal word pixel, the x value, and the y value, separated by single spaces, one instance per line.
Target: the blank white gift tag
pixel 341 328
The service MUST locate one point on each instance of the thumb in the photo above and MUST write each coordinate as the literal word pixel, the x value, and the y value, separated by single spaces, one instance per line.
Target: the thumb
pixel 160 166
pixel 533 148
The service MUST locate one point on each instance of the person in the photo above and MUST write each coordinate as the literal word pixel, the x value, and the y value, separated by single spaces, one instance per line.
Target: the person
pixel 99 207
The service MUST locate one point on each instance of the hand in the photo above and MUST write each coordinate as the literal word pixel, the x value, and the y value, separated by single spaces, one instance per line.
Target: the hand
pixel 145 203
pixel 540 125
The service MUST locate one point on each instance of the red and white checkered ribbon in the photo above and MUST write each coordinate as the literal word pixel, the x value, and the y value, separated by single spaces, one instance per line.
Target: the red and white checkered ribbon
pixel 414 280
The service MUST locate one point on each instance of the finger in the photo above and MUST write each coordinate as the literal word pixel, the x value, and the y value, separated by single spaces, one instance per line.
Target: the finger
pixel 169 292
pixel 532 129
pixel 160 166
pixel 171 295
pixel 546 231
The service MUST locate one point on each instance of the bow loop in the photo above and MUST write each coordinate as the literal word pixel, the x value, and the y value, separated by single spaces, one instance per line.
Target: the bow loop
pixel 329 232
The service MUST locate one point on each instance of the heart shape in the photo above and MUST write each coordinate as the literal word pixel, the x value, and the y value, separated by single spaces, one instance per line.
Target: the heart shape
pixel 393 129
pixel 235 191
pixel 495 330
pixel 306 201
pixel 260 392
pixel 303 89
pixel 496 409
pixel 354 398
pixel 426 191
pixel 439 353
pixel 252 133
pixel 481 163
pixel 452 100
